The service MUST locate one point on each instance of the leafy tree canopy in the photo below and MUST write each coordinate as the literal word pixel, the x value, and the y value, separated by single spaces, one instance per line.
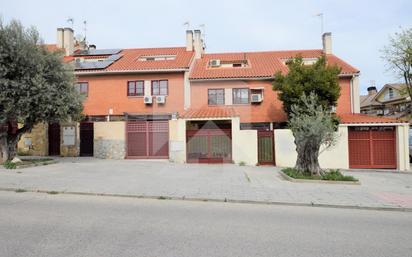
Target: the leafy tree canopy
pixel 35 85
pixel 319 78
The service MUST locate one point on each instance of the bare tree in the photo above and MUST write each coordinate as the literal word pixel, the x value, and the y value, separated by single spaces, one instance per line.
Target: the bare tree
pixel 398 55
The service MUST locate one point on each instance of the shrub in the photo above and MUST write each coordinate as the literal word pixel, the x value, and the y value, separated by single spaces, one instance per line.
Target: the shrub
pixel 333 174
pixel 9 165
pixel 242 163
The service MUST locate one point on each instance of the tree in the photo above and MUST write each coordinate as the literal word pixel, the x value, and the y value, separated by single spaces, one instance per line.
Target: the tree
pixel 398 55
pixel 35 86
pixel 308 93
pixel 304 79
pixel 313 127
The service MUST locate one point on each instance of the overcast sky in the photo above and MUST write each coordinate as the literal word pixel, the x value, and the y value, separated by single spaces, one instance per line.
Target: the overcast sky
pixel 359 28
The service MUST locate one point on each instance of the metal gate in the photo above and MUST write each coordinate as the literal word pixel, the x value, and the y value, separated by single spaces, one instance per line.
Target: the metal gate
pixel 147 139
pixel 372 147
pixel 209 146
pixel 54 138
pixel 265 148
pixel 86 139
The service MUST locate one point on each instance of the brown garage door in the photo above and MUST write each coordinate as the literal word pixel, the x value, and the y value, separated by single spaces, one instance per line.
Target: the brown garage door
pixel 209 146
pixel 147 139
pixel 372 147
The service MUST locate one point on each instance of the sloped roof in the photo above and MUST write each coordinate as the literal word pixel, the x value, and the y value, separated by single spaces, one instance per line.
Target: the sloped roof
pixel 260 64
pixel 129 60
pixel 365 119
pixel 397 86
pixel 368 100
pixel 210 112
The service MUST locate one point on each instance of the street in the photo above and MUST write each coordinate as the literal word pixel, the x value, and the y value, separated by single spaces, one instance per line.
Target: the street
pixel 37 224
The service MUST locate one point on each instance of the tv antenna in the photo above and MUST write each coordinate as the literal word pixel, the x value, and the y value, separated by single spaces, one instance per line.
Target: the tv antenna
pixel 320 15
pixel 70 21
pixel 85 29
pixel 203 27
pixel 187 24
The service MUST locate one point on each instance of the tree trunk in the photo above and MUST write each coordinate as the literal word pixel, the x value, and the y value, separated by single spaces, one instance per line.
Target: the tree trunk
pixel 4 153
pixel 307 160
pixel 12 142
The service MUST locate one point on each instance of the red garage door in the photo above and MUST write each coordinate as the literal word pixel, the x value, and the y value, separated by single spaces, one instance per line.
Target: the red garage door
pixel 147 139
pixel 372 147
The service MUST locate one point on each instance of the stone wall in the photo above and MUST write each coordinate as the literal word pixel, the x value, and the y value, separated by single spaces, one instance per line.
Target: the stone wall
pixel 109 140
pixel 109 148
pixel 36 142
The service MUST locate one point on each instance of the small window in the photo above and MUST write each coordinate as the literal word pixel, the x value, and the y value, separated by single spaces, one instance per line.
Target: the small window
pixel 216 97
pixel 240 95
pixel 135 88
pixel 237 65
pixel 159 87
pixel 83 88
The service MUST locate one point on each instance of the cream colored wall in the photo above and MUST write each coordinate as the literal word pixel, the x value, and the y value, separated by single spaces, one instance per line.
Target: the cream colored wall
pixel 335 157
pixel 244 144
pixel 114 130
pixel 355 94
pixel 177 141
pixel 402 147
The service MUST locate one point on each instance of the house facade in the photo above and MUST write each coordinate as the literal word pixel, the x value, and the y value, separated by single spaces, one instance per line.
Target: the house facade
pixel 189 106
pixel 391 101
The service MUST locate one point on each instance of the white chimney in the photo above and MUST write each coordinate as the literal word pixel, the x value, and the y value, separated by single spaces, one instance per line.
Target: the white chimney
pixel 198 44
pixel 327 43
pixel 68 40
pixel 189 40
pixel 60 38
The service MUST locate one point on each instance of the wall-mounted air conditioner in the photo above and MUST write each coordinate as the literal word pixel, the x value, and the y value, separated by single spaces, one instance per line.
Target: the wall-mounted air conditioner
pixel 256 98
pixel 148 100
pixel 160 99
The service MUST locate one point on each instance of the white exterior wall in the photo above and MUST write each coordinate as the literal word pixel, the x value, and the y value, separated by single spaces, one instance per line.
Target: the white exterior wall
pixel 354 93
pixel 402 147
pixel 335 157
pixel 244 144
pixel 177 141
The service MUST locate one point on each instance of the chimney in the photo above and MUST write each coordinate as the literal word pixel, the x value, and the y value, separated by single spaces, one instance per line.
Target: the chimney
pixel 198 44
pixel 327 43
pixel 189 40
pixel 68 40
pixel 372 90
pixel 60 38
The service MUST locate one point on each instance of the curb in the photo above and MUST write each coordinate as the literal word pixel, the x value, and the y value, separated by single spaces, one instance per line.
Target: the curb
pixel 225 200
pixel 317 181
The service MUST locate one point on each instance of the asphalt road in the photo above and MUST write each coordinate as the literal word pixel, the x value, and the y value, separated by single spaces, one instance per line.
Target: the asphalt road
pixel 34 224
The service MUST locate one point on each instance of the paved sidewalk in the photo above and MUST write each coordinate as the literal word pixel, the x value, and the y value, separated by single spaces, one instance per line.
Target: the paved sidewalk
pixel 213 182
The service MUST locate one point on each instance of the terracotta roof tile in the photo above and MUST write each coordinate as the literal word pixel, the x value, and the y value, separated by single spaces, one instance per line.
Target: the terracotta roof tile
pixel 261 64
pixel 362 119
pixel 210 112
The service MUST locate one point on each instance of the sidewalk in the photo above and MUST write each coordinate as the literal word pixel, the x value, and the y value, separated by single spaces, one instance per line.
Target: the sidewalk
pixel 227 182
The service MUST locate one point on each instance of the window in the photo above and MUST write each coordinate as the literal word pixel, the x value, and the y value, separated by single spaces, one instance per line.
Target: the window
pixel 159 87
pixel 240 95
pixel 135 88
pixel 216 97
pixel 82 88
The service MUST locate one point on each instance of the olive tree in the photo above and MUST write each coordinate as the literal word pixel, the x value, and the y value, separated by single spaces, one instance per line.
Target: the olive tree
pixel 314 129
pixel 308 93
pixel 35 85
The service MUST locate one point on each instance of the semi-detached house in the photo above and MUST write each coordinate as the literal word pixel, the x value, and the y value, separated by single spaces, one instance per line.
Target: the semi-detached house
pixel 188 106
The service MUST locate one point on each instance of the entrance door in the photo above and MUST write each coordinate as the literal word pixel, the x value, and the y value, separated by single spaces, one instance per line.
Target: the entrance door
pixel 265 148
pixel 209 146
pixel 148 139
pixel 372 147
pixel 86 139
pixel 54 139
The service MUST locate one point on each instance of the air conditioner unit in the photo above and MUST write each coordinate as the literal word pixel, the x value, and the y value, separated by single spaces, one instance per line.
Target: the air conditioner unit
pixel 148 100
pixel 214 63
pixel 160 99
pixel 256 98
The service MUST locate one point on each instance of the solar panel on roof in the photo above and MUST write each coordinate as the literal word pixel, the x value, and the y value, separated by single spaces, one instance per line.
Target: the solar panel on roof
pixel 98 52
